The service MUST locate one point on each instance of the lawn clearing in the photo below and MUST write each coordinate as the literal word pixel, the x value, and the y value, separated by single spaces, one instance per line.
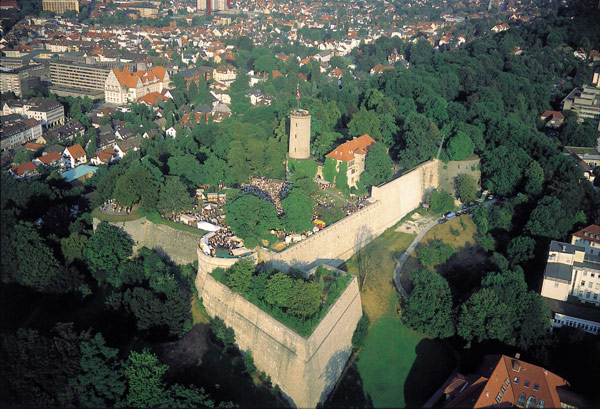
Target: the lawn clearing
pixel 444 232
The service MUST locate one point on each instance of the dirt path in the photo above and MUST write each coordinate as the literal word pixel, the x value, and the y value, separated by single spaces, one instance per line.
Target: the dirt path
pixel 402 259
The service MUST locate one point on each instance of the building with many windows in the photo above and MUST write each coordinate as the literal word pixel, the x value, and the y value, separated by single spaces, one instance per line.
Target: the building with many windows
pixel 60 6
pixel 585 101
pixel 48 111
pixel 123 86
pixel 14 135
pixel 572 278
pixel 78 79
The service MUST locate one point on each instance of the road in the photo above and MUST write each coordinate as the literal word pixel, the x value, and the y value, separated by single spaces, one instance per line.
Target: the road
pixel 402 259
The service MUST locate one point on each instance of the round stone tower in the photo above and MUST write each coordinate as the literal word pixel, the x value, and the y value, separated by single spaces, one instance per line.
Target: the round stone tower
pixel 299 147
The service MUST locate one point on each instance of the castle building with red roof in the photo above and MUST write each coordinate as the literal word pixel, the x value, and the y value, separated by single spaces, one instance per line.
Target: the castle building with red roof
pixel 123 86
pixel 354 153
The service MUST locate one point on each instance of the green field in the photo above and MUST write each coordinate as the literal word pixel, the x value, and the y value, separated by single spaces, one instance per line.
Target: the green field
pixel 397 366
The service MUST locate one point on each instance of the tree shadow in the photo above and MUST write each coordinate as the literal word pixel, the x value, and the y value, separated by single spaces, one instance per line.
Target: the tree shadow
pixel 349 392
pixel 464 271
pixel 434 363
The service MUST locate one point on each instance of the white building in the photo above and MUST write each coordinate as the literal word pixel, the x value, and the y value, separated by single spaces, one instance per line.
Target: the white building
pixel 123 86
pixel 572 276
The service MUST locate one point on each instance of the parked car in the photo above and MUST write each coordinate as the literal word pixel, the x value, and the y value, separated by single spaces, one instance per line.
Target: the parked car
pixel 441 221
pixel 450 216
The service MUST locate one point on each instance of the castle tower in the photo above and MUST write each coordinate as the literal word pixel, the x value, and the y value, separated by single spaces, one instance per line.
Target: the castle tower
pixel 299 146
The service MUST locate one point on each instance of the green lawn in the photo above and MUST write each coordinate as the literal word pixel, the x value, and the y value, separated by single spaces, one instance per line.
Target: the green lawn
pixel 397 366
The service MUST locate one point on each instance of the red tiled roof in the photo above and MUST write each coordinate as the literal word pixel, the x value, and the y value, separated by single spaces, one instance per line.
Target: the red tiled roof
pixel 76 151
pixel 152 98
pixel 593 233
pixel 347 150
pixel 105 155
pixel 25 167
pixel 516 378
pixel 49 158
pixel 553 114
pixel 31 146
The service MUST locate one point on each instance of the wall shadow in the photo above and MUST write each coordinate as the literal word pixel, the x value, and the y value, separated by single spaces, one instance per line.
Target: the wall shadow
pixel 434 363
pixel 349 392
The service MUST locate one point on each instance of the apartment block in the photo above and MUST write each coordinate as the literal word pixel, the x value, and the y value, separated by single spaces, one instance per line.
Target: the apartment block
pixel 60 6
pixel 78 79
pixel 586 102
pixel 48 111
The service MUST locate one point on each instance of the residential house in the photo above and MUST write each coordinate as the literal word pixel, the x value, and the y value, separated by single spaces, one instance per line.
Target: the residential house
pixel 500 27
pixel 224 73
pixel 74 156
pixel 171 132
pixel 572 279
pixel 130 144
pixel 152 98
pixel 69 131
pixel 51 159
pixel 553 119
pixel 105 156
pixel 24 170
pixel 353 153
pixel 379 69
pixel 503 381
pixel 123 86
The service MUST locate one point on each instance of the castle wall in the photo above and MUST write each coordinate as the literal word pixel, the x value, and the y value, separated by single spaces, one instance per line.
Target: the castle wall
pixel 338 242
pixel 179 246
pixel 306 369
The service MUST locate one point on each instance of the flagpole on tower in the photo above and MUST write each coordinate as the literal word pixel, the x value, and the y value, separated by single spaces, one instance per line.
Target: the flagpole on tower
pixel 298 93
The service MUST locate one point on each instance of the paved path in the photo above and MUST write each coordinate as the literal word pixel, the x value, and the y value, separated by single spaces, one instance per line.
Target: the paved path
pixel 402 259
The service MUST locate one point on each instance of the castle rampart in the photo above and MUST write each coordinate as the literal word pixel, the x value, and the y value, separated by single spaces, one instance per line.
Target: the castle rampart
pixel 306 369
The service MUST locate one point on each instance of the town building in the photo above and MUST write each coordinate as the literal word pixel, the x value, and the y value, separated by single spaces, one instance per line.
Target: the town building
pixel 224 73
pixel 503 381
pixel 572 276
pixel 77 79
pixel 69 131
pixel 17 81
pixel 585 101
pixel 213 5
pixel 60 6
pixel 15 135
pixel 24 170
pixel 123 86
pixel 48 111
pixel 353 153
pixel 587 159
pixel 74 156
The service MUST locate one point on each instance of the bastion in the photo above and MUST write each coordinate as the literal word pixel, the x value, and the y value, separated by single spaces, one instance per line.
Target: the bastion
pixel 305 368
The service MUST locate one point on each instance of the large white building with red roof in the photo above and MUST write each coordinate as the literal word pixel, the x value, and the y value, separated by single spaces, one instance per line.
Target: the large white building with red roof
pixel 354 153
pixel 123 86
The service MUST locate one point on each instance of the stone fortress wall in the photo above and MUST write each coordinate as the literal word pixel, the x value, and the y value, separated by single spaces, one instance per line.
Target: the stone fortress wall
pixel 336 243
pixel 306 369
pixel 179 246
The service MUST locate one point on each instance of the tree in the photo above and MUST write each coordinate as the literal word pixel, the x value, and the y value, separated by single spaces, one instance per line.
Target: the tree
pixel 379 167
pixel 305 298
pixel 251 218
pixel 341 178
pixel 484 316
pixel 144 373
pixel 534 176
pixel 460 146
pixel 298 211
pixel 329 170
pixel 420 140
pixel 278 290
pixel 434 252
pixel 428 309
pixel 239 276
pixel 108 247
pixel 520 249
pixel 365 122
pixel 466 187
pixel 550 219
pixel 74 247
pixel 441 201
pixel 101 382
pixel 26 259
pixel 174 197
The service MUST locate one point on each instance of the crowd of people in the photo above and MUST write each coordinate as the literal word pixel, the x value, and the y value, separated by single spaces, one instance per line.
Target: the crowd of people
pixel 268 189
pixel 112 207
